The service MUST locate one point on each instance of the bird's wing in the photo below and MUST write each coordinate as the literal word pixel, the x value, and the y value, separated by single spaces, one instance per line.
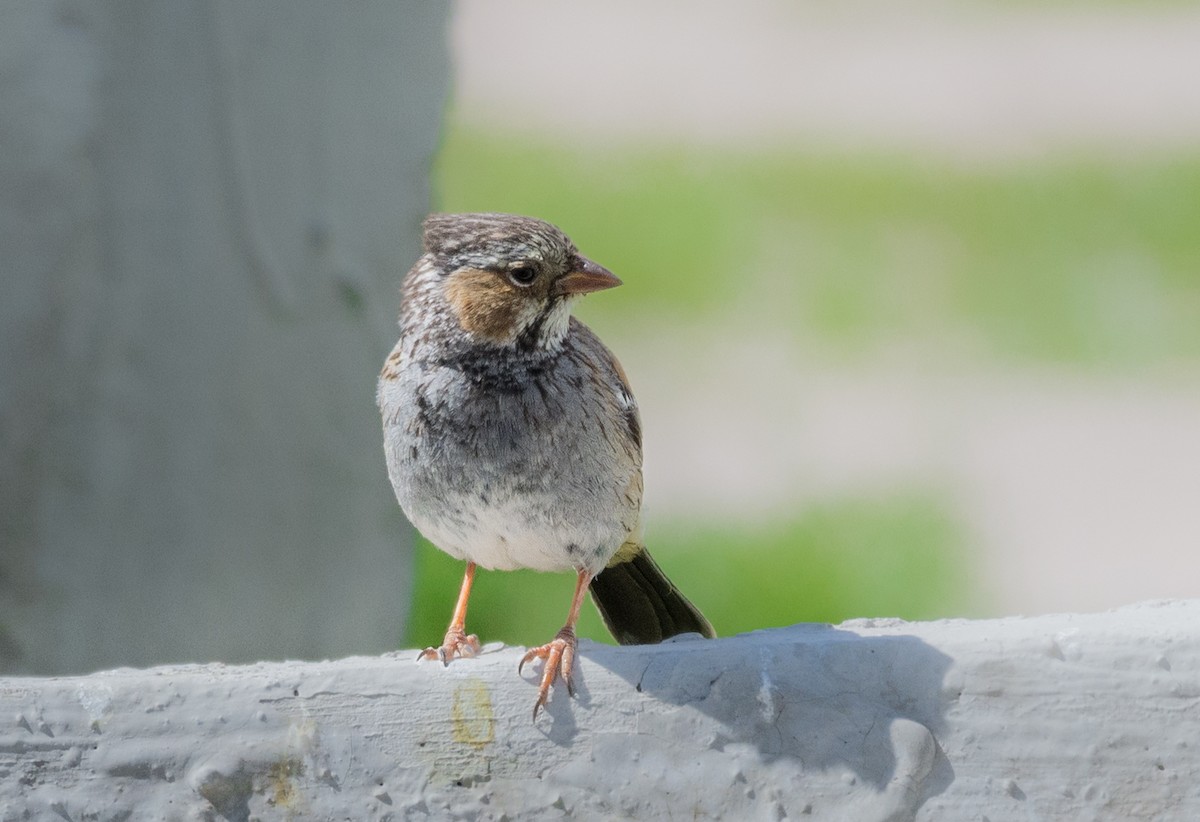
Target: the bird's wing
pixel 391 366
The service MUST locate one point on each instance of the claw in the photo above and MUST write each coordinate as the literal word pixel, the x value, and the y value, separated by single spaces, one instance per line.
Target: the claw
pixel 559 654
pixel 456 644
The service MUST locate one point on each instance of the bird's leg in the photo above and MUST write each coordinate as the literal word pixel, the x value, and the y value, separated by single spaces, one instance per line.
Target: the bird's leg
pixel 457 642
pixel 559 653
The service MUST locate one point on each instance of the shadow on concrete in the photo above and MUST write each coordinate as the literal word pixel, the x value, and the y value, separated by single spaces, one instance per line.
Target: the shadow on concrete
pixel 869 708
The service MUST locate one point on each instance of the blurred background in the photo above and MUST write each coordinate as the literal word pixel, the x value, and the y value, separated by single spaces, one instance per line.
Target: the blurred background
pixel 912 291
pixel 911 305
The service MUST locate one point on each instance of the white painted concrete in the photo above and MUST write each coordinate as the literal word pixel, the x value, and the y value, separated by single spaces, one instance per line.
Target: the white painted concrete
pixel 1055 717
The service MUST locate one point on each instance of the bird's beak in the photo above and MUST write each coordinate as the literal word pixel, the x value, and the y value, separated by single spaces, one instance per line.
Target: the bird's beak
pixel 584 278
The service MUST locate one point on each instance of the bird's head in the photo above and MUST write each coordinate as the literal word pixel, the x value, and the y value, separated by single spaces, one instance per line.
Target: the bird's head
pixel 505 280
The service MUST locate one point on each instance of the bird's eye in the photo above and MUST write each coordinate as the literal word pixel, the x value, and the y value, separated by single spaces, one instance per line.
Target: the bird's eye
pixel 522 275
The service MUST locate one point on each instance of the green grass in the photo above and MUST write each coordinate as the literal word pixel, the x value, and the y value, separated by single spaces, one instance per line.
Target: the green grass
pixel 899 556
pixel 1060 260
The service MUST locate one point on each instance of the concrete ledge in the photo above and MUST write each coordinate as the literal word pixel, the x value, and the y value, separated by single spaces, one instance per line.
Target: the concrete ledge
pixel 1056 717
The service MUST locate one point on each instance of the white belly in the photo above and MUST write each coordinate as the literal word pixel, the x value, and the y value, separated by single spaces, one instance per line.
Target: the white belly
pixel 522 533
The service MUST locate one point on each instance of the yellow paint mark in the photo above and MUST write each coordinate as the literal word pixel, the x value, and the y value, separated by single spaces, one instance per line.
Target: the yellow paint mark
pixel 474 721
pixel 281 776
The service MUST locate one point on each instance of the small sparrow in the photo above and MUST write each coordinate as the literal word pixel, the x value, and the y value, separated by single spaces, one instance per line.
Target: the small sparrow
pixel 511 434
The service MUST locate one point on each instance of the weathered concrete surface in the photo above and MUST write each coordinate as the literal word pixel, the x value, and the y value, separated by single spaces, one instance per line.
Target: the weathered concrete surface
pixel 1056 717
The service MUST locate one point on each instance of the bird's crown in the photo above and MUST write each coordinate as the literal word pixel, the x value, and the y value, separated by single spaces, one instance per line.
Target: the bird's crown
pixel 483 240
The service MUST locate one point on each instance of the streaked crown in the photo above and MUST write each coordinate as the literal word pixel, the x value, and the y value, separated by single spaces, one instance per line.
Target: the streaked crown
pixel 483 240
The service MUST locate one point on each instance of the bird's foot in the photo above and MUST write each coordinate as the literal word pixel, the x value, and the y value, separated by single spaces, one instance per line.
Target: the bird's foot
pixel 456 644
pixel 559 654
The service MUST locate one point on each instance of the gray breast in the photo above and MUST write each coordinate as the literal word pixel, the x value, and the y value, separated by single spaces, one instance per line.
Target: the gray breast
pixel 485 428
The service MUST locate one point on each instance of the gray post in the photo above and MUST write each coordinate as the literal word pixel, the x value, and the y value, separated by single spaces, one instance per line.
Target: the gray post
pixel 206 208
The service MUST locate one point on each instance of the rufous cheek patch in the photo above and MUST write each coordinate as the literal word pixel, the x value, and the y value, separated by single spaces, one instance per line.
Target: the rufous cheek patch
pixel 485 305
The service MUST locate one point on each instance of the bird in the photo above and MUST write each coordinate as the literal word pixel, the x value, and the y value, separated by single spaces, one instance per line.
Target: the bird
pixel 512 437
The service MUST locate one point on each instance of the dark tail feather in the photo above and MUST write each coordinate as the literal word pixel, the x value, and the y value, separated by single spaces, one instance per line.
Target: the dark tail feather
pixel 640 606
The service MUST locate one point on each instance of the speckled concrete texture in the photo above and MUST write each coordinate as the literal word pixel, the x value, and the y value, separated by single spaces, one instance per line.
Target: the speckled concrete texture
pixel 1054 717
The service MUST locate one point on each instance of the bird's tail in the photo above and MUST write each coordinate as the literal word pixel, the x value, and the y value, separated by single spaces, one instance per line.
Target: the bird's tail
pixel 640 605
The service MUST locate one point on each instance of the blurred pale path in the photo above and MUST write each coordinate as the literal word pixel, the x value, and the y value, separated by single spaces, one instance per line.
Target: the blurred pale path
pixel 1077 485
pixel 1080 493
pixel 971 78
